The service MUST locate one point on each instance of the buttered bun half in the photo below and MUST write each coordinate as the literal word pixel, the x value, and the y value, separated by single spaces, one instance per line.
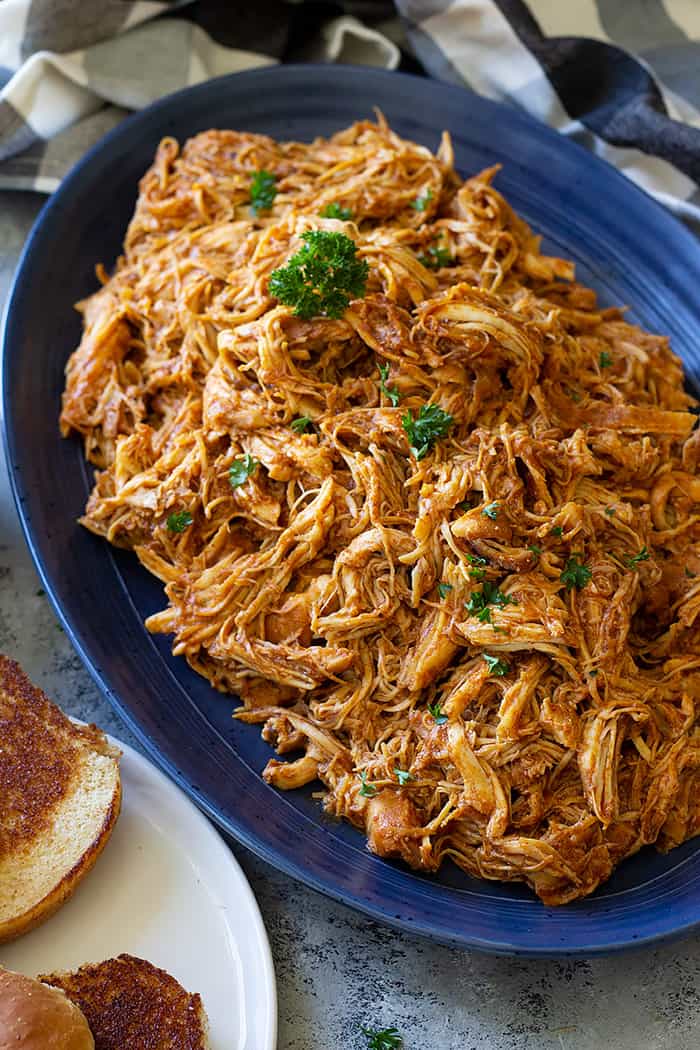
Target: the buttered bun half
pixel 36 1017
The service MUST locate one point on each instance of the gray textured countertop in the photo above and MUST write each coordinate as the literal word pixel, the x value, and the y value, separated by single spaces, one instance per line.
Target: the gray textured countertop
pixel 337 970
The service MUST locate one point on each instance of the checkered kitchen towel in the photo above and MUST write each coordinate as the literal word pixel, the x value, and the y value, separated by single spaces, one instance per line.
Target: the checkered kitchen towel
pixel 620 76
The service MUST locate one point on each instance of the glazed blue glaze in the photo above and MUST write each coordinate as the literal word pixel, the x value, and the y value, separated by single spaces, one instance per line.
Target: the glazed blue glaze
pixel 625 245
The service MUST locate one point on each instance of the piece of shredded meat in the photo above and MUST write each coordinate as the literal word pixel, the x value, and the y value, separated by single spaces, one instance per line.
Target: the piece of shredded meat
pixel 489 654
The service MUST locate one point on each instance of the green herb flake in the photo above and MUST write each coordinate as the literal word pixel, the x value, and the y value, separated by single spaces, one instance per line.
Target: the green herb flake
pixel 389 391
pixel 632 562
pixel 610 511
pixel 403 776
pixel 422 202
pixel 301 424
pixel 605 359
pixel 241 469
pixel 262 191
pixel 534 549
pixel 179 521
pixel 437 713
pixel 426 429
pixel 444 589
pixel 556 531
pixel 383 1039
pixel 336 211
pixel 478 574
pixel 575 574
pixel 367 790
pixel 322 277
pixel 690 574
pixel 496 666
pixel 593 673
pixel 465 505
pixel 436 258
pixel 491 510
pixel 480 601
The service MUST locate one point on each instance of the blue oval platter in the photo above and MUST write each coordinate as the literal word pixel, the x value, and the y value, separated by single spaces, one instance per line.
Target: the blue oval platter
pixel 625 246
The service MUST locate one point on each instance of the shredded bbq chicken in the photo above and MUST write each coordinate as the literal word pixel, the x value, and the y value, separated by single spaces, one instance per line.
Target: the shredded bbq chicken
pixel 490 653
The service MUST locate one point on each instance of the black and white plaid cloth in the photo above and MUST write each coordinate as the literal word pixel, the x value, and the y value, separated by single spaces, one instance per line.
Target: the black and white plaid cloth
pixel 622 77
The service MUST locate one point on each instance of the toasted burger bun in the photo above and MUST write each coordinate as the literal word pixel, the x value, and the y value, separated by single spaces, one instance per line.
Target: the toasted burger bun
pixel 36 1017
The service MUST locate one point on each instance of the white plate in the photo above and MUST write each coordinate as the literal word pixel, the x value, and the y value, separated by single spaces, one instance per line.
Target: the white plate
pixel 169 890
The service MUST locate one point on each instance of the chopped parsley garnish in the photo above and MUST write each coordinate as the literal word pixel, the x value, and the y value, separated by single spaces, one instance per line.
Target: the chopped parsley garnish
pixel 335 211
pixel 367 790
pixel 479 601
pixel 390 391
pixel 179 521
pixel 241 469
pixel 437 713
pixel 436 257
pixel 262 191
pixel 691 575
pixel 403 776
pixel 444 589
pixel 556 531
pixel 496 666
pixel 429 426
pixel 593 673
pixel 491 510
pixel 605 359
pixel 422 202
pixel 465 505
pixel 322 277
pixel 574 395
pixel 477 572
pixel 534 549
pixel 383 1039
pixel 610 511
pixel 301 424
pixel 575 574
pixel 636 558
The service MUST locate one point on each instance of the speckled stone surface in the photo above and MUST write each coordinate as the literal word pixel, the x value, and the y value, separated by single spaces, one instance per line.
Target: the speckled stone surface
pixel 335 969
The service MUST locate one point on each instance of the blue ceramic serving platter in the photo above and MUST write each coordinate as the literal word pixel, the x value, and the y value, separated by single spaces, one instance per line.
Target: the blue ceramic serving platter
pixel 625 246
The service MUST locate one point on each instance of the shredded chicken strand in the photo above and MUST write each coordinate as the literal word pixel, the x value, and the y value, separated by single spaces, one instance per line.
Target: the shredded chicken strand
pixel 489 654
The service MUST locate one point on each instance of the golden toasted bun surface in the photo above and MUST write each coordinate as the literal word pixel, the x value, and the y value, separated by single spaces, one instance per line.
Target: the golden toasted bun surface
pixel 60 795
pixel 131 1003
pixel 34 1017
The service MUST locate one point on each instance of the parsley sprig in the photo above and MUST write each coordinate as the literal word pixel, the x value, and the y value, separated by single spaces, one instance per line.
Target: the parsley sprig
pixel 367 790
pixel 632 562
pixel 390 391
pixel 436 257
pixel 179 521
pixel 444 589
pixel 262 191
pixel 495 665
pixel 335 211
pixel 575 574
pixel 480 602
pixel 241 469
pixel 383 1038
pixel 429 426
pixel 437 713
pixel 422 202
pixel 301 424
pixel 322 277
pixel 491 510
pixel 403 776
pixel 605 359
